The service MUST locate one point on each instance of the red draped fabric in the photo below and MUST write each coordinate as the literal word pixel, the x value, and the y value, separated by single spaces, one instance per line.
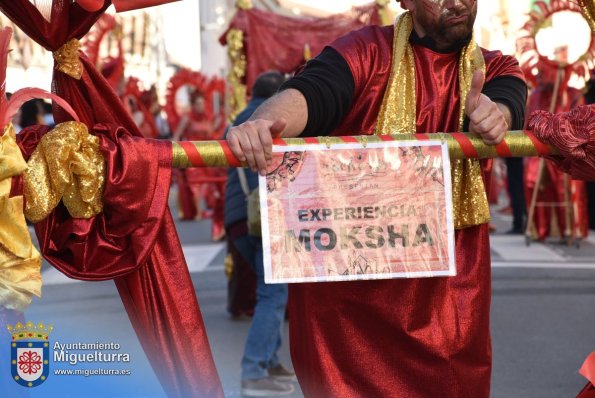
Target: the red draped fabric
pixel 273 41
pixel 588 370
pixel 418 338
pixel 587 392
pixel 573 133
pixel 134 243
pixel 553 185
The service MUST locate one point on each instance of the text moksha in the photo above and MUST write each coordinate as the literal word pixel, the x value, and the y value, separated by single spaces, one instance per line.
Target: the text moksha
pixel 356 237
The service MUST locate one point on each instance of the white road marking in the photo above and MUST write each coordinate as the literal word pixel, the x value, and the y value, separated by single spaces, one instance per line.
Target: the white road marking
pixel 198 257
pixel 512 248
pixel 543 265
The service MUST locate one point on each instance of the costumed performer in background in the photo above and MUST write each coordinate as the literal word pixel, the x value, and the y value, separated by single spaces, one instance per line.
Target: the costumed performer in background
pixel 198 125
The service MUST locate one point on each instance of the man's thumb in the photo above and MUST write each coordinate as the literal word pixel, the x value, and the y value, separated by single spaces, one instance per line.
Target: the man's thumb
pixel 474 91
pixel 278 127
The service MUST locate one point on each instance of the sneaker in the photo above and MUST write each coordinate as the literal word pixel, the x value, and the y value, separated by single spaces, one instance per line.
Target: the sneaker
pixel 279 372
pixel 265 387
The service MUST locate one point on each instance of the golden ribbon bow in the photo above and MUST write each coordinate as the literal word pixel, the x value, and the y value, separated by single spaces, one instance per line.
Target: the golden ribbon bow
pixel 67 165
pixel 67 59
pixel 398 116
pixel 20 262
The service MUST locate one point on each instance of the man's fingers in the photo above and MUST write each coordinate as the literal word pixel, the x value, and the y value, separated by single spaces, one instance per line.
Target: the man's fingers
pixel 483 111
pixel 474 94
pixel 492 132
pixel 266 139
pixel 488 123
pixel 259 151
pixel 494 137
pixel 246 149
pixel 235 147
pixel 252 142
pixel 477 82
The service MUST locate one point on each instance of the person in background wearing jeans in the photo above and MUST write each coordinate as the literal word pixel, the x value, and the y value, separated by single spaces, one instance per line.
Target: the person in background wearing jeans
pixel 262 373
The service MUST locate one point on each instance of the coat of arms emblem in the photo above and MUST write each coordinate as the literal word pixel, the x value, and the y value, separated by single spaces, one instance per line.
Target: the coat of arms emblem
pixel 30 353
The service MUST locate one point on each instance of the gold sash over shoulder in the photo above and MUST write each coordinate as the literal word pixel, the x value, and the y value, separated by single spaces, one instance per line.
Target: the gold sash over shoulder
pixel 398 116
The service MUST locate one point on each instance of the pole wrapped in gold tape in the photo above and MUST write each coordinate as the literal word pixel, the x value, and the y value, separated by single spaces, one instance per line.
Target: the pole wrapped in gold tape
pixel 460 146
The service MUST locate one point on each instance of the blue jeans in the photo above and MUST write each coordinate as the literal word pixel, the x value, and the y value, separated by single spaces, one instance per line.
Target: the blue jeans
pixel 264 336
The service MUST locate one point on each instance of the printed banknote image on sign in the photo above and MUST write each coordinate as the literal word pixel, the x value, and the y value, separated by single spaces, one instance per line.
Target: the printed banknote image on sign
pixel 349 212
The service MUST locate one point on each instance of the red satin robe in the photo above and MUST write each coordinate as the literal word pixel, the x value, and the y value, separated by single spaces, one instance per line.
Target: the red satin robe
pixel 414 338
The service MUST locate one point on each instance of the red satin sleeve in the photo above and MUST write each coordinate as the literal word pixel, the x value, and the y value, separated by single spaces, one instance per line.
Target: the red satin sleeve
pixel 501 65
pixel 367 51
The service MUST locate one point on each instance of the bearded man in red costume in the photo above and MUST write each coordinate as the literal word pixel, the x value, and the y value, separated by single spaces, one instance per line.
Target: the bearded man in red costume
pixel 404 337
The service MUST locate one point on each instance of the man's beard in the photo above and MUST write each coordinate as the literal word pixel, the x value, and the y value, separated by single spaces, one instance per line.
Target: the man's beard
pixel 446 33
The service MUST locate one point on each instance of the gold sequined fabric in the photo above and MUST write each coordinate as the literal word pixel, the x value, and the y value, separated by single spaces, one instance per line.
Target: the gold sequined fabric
pixel 20 262
pixel 398 116
pixel 67 59
pixel 235 51
pixel 588 7
pixel 67 165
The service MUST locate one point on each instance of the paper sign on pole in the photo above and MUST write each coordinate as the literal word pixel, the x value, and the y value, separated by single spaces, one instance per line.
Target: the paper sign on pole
pixel 349 212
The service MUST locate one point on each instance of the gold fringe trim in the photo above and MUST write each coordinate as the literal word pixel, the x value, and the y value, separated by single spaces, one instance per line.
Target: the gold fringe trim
pixel 237 72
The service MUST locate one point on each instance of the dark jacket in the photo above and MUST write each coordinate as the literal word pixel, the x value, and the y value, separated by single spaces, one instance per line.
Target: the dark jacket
pixel 235 200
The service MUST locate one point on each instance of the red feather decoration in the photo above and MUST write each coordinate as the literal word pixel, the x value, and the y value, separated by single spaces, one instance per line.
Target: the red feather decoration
pixel 5 35
pixel 25 94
